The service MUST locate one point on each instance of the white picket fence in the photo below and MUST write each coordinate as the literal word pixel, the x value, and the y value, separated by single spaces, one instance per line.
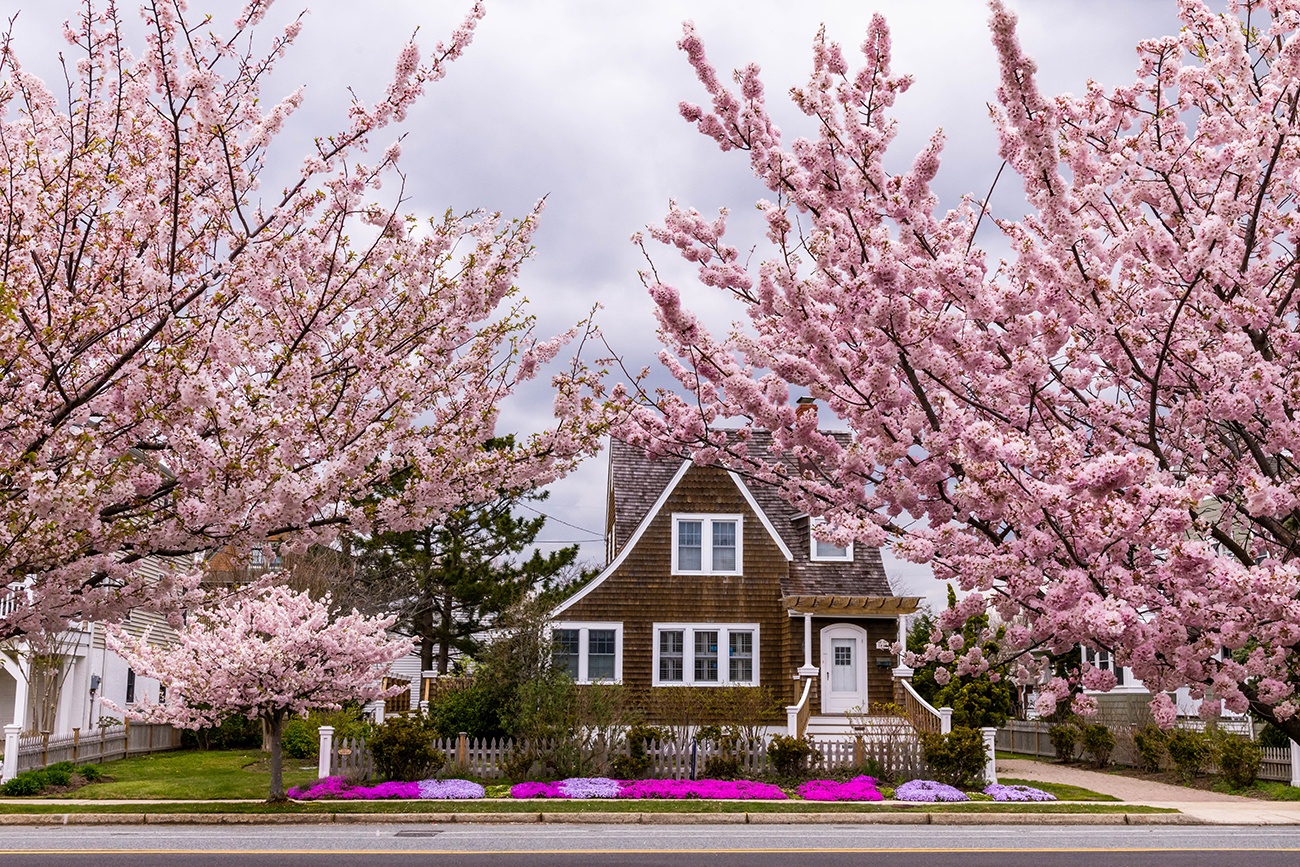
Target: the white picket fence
pixel 101 745
pixel 897 756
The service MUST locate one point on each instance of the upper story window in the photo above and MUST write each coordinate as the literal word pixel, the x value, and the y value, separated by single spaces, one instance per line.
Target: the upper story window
pixel 707 544
pixel 1103 660
pixel 822 550
pixel 589 652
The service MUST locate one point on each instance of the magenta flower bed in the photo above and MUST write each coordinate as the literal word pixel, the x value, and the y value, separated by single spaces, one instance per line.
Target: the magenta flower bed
pixel 856 789
pixel 602 787
pixel 744 790
pixel 337 788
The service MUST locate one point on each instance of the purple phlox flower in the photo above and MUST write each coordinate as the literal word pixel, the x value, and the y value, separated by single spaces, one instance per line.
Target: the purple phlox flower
pixel 437 790
pixel 590 787
pixel 857 789
pixel 1017 793
pixel 928 790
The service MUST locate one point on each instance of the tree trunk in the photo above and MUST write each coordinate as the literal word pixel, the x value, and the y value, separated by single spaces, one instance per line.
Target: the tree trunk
pixel 426 653
pixel 444 635
pixel 274 728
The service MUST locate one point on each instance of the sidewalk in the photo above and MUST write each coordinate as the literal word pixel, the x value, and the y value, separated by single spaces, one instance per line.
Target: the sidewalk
pixel 1212 808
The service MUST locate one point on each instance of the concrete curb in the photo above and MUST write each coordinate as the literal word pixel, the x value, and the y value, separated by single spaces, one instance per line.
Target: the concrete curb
pixel 891 818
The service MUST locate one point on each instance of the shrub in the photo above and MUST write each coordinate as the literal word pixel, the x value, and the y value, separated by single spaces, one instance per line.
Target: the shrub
pixel 956 758
pixel 299 739
pixel 637 762
pixel 1149 741
pixel 233 733
pixel 91 773
pixel 1189 751
pixel 791 756
pixel 723 767
pixel 58 775
pixel 1239 760
pixel 1097 741
pixel 1064 737
pixel 402 749
pixel 25 784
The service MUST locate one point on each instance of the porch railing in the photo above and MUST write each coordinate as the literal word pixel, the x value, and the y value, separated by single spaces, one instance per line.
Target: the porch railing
pixel 797 715
pixel 923 715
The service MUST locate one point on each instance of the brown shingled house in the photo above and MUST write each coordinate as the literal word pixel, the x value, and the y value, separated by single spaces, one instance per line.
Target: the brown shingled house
pixel 715 581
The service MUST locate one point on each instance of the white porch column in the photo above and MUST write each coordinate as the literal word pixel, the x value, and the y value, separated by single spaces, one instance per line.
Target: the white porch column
pixel 990 734
pixel 20 692
pixel 1295 764
pixel 326 749
pixel 10 769
pixel 807 669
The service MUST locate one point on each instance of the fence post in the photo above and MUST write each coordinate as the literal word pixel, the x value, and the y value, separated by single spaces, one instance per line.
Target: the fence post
pixel 10 769
pixel 326 749
pixel 990 754
pixel 1295 762
pixel 945 720
pixel 76 742
pixel 462 749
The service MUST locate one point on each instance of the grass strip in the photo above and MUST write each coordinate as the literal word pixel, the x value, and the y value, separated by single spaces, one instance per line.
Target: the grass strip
pixel 560 806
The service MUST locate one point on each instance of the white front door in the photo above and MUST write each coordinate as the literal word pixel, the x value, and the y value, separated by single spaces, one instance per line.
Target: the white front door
pixel 844 668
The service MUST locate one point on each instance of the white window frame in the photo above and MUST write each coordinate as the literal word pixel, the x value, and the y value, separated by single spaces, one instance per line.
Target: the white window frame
pixel 812 546
pixel 706 543
pixel 584 627
pixel 688 631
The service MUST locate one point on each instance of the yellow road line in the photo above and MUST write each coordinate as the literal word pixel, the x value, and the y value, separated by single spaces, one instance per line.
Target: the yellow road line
pixel 911 850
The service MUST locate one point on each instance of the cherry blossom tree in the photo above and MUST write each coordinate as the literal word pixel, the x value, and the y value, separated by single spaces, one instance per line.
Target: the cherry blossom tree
pixel 267 655
pixel 189 359
pixel 1097 435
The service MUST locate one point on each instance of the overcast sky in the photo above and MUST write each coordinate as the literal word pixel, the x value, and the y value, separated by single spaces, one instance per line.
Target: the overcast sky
pixel 576 101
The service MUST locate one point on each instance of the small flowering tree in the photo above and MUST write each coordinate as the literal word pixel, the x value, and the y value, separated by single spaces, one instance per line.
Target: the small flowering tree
pixel 267 654
pixel 193 356
pixel 1096 435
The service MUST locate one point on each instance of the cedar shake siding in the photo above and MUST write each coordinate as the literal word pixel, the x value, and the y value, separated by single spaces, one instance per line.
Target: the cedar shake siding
pixel 638 589
pixel 643 591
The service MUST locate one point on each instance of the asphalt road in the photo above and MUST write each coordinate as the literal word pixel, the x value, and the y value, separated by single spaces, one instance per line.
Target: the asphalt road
pixel 669 846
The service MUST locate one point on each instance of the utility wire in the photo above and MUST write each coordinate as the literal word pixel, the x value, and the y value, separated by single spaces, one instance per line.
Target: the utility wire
pixel 596 533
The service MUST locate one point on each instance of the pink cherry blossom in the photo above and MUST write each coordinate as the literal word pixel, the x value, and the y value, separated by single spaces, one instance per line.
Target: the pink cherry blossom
pixel 267 654
pixel 195 357
pixel 1094 434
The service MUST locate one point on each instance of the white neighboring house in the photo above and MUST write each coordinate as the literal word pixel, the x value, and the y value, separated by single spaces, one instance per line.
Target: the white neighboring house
pixel 1130 696
pixel 90 673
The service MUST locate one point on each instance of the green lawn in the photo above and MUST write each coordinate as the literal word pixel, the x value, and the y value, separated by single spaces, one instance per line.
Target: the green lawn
pixel 194 774
pixel 1062 791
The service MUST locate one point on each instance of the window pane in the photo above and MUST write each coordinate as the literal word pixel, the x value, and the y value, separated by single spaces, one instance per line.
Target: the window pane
pixel 671 669
pixel 706 656
pixel 829 550
pixel 600 654
pixel 724 546
pixel 690 546
pixel 741 646
pixel 565 654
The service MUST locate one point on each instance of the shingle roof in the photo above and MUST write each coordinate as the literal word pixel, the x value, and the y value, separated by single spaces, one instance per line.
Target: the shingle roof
pixel 638 480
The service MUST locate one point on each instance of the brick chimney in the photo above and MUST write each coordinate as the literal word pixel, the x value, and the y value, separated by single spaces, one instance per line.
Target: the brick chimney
pixel 806 404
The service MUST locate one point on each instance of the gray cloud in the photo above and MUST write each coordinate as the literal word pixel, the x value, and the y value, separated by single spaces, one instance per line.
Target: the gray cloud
pixel 577 101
